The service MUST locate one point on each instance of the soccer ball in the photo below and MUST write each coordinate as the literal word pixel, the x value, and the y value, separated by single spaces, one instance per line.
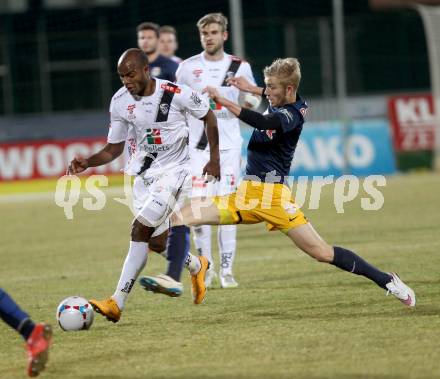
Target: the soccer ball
pixel 75 313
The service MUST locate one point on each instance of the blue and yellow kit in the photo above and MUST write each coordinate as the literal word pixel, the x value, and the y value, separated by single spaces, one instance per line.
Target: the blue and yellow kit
pixel 263 194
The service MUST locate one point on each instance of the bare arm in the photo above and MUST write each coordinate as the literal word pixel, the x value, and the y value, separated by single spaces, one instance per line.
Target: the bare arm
pixel 213 166
pixel 107 154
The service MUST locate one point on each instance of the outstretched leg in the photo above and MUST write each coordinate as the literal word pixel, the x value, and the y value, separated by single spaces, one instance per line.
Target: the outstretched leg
pixel 309 241
pixel 200 211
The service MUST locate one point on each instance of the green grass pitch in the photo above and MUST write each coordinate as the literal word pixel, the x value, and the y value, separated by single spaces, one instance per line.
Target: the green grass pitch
pixel 290 317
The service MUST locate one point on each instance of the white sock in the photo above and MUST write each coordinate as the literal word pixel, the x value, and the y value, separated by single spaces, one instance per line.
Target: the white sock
pixel 133 265
pixel 192 263
pixel 202 240
pixel 227 243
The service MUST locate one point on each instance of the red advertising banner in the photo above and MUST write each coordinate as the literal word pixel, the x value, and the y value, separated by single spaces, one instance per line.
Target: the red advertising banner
pixel 412 119
pixel 46 159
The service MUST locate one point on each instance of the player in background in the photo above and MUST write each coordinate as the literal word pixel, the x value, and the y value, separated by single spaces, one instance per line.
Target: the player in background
pixel 156 110
pixel 212 67
pixel 168 44
pixel 37 336
pixel 161 67
pixel 269 156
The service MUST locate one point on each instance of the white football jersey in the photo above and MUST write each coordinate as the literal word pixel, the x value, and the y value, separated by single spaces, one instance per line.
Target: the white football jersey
pixel 197 73
pixel 156 124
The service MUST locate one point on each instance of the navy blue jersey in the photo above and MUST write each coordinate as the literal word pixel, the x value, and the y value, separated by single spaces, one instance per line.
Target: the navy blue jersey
pixel 271 151
pixel 163 68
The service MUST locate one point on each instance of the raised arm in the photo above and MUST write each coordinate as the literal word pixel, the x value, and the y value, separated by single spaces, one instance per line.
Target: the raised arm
pixel 244 85
pixel 254 119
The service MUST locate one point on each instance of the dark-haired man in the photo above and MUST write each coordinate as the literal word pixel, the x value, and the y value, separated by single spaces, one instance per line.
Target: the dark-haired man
pixel 161 67
pixel 155 112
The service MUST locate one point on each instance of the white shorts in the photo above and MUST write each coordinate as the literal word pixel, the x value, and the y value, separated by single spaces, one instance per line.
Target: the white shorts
pixel 230 167
pixel 156 197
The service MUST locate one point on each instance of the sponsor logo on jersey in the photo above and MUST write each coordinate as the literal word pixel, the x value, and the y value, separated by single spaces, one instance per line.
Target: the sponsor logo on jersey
pixel 130 109
pixel 169 88
pixel 164 109
pixel 151 137
pixel 214 106
pixel 197 72
pixel 154 148
pixel 270 133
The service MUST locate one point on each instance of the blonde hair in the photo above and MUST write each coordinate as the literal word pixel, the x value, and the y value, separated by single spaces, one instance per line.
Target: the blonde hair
pixel 286 70
pixel 213 18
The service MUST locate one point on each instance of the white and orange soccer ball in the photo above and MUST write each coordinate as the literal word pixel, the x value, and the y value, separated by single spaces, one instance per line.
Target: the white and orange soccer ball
pixel 75 313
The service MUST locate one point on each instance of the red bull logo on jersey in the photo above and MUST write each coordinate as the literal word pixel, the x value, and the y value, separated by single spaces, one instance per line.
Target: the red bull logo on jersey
pixel 270 133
